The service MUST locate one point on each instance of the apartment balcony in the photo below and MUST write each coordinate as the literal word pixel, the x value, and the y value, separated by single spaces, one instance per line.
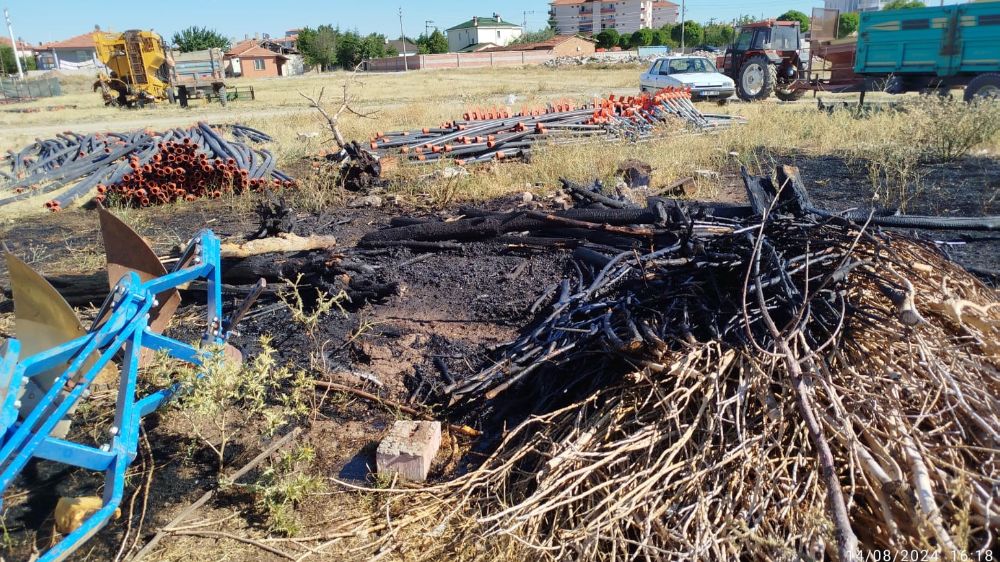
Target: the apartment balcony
pixel 607 10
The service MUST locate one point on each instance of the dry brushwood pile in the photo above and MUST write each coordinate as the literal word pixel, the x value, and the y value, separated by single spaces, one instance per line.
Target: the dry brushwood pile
pixel 719 383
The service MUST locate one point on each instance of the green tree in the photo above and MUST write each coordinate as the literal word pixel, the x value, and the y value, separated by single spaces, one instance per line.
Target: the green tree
pixel 607 39
pixel 795 15
pixel 848 23
pixel 352 48
pixel 7 63
pixel 662 37
pixel 641 38
pixel 9 66
pixel 438 43
pixel 534 36
pixel 319 46
pixel 373 46
pixel 694 34
pixel 197 38
pixel 625 42
pixel 348 50
pixel 903 4
pixel 718 34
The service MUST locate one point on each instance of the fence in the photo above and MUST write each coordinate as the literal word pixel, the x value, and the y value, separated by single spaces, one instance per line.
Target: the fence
pixel 653 51
pixel 460 60
pixel 23 90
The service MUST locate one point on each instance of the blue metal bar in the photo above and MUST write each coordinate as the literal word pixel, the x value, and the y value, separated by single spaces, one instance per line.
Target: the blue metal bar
pixel 75 454
pixel 176 349
pixel 126 325
pixel 14 465
pixel 26 428
pixel 11 374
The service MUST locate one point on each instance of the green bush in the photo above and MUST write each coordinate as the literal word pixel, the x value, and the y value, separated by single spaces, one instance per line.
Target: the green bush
pixel 947 129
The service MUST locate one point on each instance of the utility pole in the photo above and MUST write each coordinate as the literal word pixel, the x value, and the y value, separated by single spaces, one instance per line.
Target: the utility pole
pixel 13 43
pixel 683 9
pixel 402 39
pixel 427 27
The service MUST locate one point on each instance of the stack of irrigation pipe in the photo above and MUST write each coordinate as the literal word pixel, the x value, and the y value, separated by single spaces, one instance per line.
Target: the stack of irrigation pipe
pixel 141 167
pixel 483 136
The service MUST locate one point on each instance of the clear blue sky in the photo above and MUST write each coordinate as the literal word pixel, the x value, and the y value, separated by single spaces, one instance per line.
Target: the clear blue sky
pixel 49 20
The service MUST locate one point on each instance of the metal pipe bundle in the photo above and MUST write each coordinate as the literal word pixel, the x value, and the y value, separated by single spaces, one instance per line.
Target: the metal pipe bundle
pixel 497 134
pixel 141 167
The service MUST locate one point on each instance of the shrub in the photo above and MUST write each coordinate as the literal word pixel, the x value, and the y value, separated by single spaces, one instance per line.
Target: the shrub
pixel 947 129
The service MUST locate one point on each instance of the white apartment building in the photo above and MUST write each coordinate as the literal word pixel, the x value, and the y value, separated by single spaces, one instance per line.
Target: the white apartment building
pixel 590 17
pixel 665 13
pixel 845 6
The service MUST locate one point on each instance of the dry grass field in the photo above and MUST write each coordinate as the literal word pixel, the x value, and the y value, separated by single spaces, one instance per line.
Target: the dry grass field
pixel 881 146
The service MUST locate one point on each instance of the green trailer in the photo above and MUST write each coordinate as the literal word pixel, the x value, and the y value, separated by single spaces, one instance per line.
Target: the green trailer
pixel 932 48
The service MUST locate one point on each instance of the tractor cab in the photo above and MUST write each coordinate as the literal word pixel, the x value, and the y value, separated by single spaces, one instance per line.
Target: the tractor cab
pixel 765 58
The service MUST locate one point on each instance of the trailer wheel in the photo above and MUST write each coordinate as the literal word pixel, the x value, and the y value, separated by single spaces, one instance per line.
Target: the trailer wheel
pixel 983 86
pixel 789 95
pixel 756 79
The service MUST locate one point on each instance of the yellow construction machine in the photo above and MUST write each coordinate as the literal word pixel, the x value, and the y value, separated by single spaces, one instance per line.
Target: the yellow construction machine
pixel 140 70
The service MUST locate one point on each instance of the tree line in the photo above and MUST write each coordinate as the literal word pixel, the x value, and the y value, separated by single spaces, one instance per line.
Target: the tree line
pixel 327 46
pixel 712 33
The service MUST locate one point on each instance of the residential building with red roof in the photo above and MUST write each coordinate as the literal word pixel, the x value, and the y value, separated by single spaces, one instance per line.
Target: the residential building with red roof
pixel 560 46
pixel 75 53
pixel 250 58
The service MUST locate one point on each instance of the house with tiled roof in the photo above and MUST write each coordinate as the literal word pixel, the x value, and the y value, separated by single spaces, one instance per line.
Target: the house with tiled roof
pixel 481 31
pixel 559 46
pixel 22 50
pixel 75 53
pixel 253 58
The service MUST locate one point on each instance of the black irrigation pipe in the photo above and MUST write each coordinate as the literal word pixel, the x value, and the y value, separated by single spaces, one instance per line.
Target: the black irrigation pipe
pixel 916 221
pixel 47 165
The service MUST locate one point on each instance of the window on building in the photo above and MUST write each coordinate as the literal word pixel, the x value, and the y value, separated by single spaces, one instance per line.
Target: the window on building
pixel 498 34
pixel 258 64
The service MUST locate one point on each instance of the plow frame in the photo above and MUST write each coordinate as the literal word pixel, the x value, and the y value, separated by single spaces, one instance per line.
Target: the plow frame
pixel 121 325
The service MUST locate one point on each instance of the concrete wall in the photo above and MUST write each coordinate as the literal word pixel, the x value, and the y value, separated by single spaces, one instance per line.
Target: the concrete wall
pixel 460 60
pixel 294 66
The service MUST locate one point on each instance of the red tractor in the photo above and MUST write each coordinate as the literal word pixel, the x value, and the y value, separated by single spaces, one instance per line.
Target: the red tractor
pixel 764 59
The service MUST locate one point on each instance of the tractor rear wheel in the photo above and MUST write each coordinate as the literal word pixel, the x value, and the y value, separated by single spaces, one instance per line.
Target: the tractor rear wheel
pixel 789 95
pixel 756 79
pixel 983 86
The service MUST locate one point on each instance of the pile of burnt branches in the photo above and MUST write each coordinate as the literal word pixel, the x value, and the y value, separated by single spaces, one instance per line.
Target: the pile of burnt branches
pixel 772 386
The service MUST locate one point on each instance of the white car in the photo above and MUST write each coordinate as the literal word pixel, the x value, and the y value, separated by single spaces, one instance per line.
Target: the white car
pixel 697 73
